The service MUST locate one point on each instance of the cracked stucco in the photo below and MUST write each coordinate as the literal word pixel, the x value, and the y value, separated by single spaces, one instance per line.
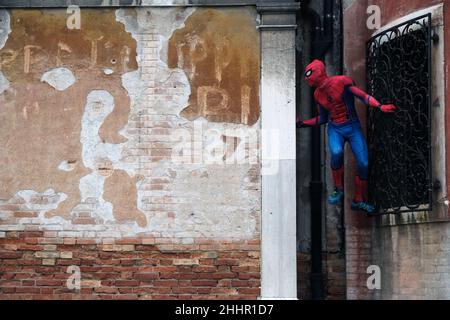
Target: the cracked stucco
pixel 123 187
pixel 59 78
pixel 5 30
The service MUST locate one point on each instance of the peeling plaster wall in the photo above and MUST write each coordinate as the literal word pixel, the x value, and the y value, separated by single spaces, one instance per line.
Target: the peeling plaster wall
pixel 91 118
pixel 223 76
pixel 5 30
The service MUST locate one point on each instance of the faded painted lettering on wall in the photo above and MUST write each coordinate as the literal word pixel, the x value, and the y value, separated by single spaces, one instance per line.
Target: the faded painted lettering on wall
pixel 87 117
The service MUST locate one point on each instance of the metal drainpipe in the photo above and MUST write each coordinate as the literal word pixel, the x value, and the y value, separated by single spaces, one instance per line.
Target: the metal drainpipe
pixel 320 44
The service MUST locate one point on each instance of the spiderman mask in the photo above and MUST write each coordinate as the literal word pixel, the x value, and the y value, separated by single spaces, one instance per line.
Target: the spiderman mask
pixel 315 73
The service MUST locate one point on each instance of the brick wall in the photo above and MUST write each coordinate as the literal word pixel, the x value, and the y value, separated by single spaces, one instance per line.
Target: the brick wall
pixel 358 259
pixel 334 255
pixel 336 276
pixel 34 265
pixel 334 272
pixel 333 260
pixel 414 261
pixel 303 275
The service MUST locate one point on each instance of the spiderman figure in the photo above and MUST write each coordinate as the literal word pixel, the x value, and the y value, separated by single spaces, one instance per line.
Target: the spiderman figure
pixel 335 97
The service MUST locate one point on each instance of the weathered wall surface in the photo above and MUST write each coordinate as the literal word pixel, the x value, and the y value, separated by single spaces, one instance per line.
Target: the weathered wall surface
pixel 224 75
pixel 137 132
pixel 357 226
pixel 414 259
pixel 102 145
pixel 333 235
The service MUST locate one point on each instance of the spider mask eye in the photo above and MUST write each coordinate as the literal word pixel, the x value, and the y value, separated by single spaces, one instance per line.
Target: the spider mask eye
pixel 308 73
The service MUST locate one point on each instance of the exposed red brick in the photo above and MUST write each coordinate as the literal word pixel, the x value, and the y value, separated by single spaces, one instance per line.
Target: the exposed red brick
pixel 118 274
pixel 25 214
pixel 84 221
pixel 50 283
pixel 10 255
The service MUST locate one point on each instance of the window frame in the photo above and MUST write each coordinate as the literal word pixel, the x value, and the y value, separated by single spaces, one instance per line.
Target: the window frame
pixel 440 210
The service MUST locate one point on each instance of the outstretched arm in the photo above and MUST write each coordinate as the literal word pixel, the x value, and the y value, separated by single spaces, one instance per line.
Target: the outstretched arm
pixel 371 101
pixel 322 118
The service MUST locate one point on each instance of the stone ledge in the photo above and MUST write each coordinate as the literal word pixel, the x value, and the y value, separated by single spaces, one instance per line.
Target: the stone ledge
pixel 277 7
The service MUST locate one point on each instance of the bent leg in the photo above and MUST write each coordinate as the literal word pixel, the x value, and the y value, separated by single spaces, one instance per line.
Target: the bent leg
pixel 336 144
pixel 360 150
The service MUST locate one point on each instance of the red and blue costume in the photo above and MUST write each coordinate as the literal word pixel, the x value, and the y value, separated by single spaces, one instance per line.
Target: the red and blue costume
pixel 335 97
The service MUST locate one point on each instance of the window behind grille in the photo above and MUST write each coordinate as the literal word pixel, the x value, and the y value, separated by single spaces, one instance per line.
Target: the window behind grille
pixel 399 72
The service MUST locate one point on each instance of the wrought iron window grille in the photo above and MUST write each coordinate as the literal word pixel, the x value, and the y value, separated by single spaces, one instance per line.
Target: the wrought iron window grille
pixel 398 68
